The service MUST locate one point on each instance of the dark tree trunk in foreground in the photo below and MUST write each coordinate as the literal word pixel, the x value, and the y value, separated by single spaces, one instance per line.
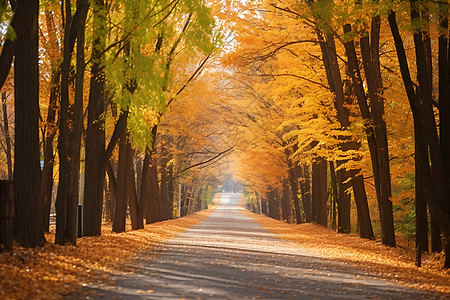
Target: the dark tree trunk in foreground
pixel 29 226
pixel 152 209
pixel 335 196
pixel 331 66
pixel 377 146
pixel 344 198
pixel 319 192
pixel 136 221
pixel 362 207
pixel 424 125
pixel 95 161
pixel 50 128
pixel 120 209
pixel 6 215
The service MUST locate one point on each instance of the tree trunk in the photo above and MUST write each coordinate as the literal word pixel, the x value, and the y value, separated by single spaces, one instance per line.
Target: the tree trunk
pixel 344 198
pixel 6 215
pixel 152 210
pixel 166 214
pixel 335 198
pixel 120 211
pixel 77 110
pixel 28 223
pixel 170 189
pixel 421 193
pixel 319 192
pixel 378 150
pixel 305 188
pixel 444 103
pixel 136 221
pixel 294 187
pixel 112 185
pixel 329 58
pixel 438 205
pixel 286 202
pixel 47 172
pixel 95 160
pixel 63 138
pixel 438 172
pixel 362 208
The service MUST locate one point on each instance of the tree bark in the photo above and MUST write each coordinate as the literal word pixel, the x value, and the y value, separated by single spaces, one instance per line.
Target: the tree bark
pixel 152 210
pixel 286 201
pixel 6 215
pixel 439 204
pixel 96 158
pixel 335 198
pixel 77 111
pixel 305 188
pixel 380 164
pixel 120 211
pixel 294 187
pixel 319 192
pixel 28 223
pixel 362 207
pixel 136 221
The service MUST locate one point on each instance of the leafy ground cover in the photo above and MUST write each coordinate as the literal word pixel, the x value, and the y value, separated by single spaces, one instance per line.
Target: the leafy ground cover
pixel 53 271
pixel 394 263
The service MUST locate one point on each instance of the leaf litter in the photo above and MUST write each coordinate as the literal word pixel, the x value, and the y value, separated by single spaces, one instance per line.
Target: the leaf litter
pixel 397 264
pixel 53 271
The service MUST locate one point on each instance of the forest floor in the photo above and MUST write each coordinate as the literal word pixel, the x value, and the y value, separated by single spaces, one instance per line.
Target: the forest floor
pixel 397 264
pixel 53 271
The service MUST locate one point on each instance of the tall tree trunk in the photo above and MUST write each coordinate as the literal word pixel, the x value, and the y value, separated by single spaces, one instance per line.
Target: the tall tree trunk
pixel 444 102
pixel 63 138
pixel 438 171
pixel 382 184
pixel 95 160
pixel 421 192
pixel 77 110
pixel 6 214
pixel 152 210
pixel 344 201
pixel 319 192
pixel 305 188
pixel 47 172
pixel 335 198
pixel 329 58
pixel 120 211
pixel 136 221
pixel 370 55
pixel 164 196
pixel 294 187
pixel 171 191
pixel 27 178
pixel 438 205
pixel 362 207
pixel 286 201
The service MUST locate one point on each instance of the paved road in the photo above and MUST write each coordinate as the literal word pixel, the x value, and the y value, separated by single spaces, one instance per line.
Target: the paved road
pixel 229 256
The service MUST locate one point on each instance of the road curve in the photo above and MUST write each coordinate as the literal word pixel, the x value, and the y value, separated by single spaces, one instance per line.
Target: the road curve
pixel 229 256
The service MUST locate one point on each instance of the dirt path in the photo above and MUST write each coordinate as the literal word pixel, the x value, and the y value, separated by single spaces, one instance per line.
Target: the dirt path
pixel 229 256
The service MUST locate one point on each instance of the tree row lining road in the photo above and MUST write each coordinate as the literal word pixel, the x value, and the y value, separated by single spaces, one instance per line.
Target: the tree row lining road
pixel 229 256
